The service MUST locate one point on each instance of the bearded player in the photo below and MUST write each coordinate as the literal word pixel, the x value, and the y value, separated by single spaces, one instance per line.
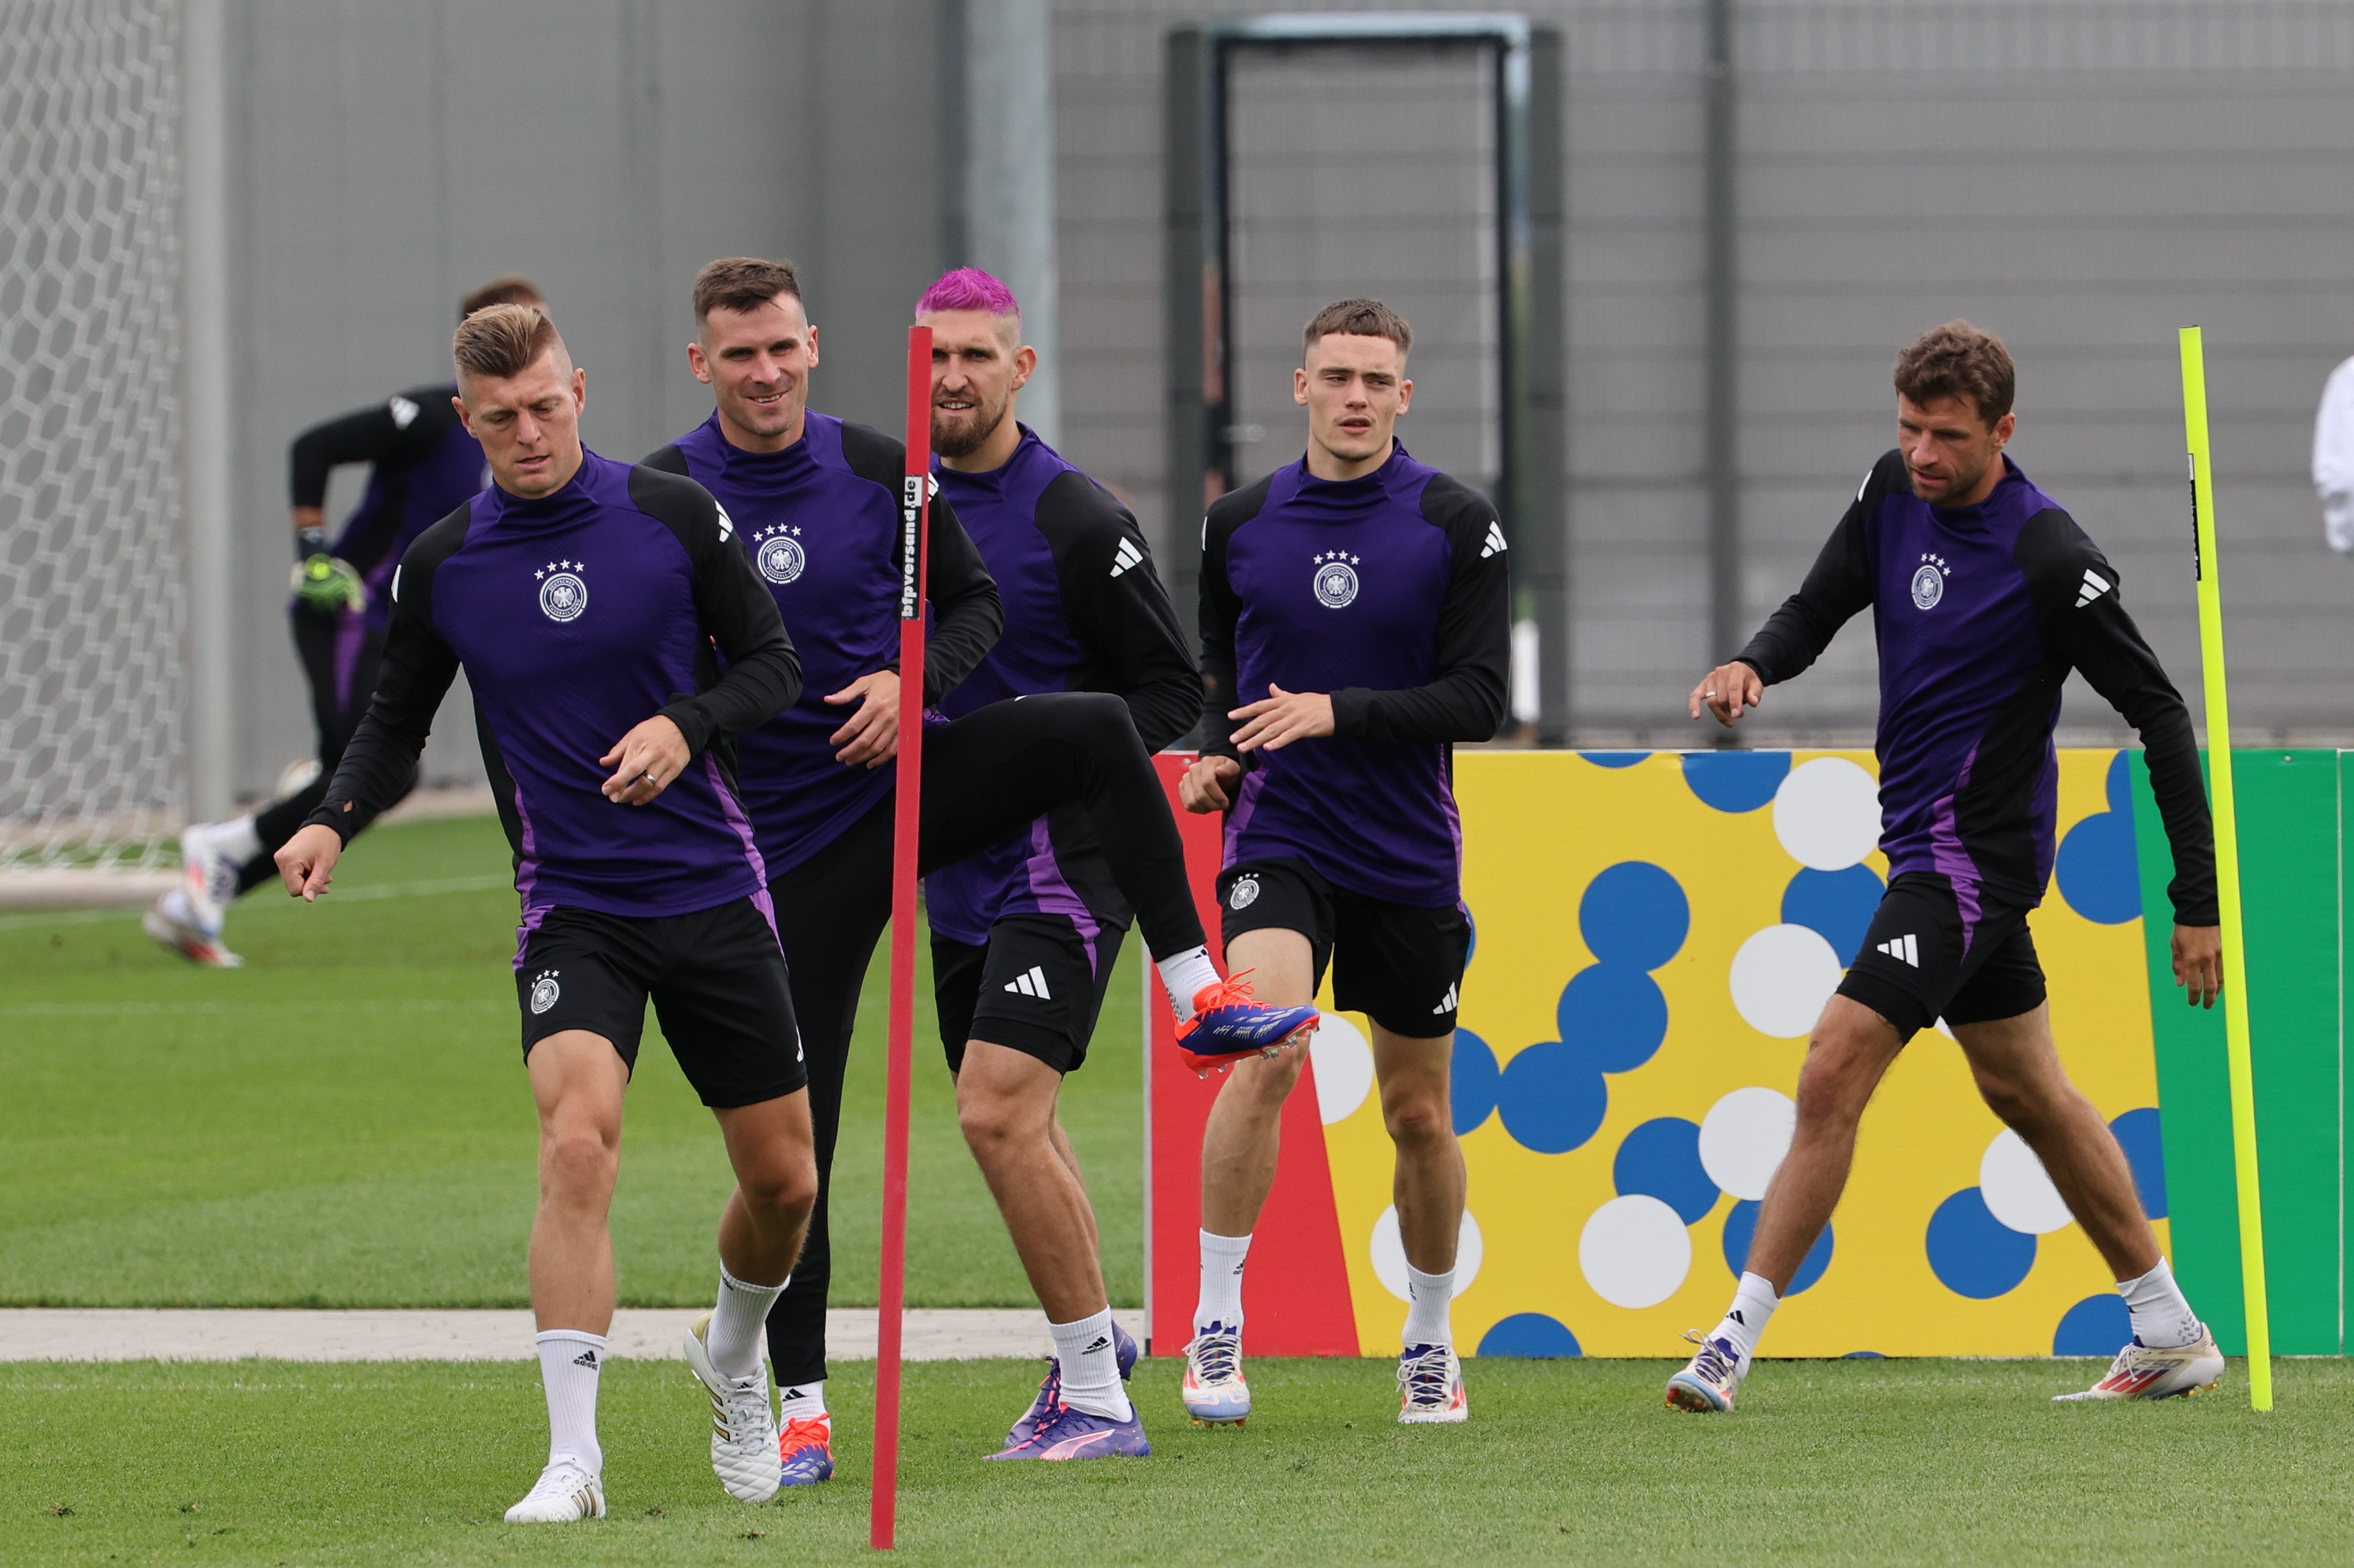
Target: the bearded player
pixel 585 598
pixel 422 463
pixel 815 501
pixel 1355 623
pixel 1984 595
pixel 1027 935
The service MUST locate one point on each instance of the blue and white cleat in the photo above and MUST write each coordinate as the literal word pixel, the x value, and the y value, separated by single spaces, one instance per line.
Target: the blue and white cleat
pixel 1050 1390
pixel 805 1452
pixel 1229 1022
pixel 1077 1435
pixel 1712 1379
pixel 1213 1389
pixel 1430 1386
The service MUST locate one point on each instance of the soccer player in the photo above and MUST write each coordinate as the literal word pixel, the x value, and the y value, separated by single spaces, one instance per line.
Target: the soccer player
pixel 422 464
pixel 584 599
pixel 1025 936
pixel 815 501
pixel 1983 594
pixel 1355 622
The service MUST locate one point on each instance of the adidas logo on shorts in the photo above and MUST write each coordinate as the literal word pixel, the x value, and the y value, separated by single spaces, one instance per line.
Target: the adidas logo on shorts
pixel 1032 984
pixel 1901 948
pixel 1446 1003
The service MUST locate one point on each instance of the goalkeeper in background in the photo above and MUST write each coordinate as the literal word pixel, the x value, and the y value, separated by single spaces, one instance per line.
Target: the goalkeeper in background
pixel 422 466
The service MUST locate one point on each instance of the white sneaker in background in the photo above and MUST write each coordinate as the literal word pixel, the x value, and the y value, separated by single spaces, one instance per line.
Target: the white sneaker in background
pixel 171 923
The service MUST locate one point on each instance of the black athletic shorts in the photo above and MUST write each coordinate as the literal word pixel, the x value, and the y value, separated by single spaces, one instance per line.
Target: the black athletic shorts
pixel 1036 987
pixel 716 978
pixel 1399 965
pixel 1920 962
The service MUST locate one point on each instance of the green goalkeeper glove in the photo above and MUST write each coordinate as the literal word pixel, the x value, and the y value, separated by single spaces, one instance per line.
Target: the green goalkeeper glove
pixel 325 584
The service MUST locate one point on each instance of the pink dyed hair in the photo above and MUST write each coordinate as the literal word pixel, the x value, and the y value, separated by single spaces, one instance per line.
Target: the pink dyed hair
pixel 970 289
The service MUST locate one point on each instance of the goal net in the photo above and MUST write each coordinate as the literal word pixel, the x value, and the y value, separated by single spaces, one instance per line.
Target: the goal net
pixel 93 754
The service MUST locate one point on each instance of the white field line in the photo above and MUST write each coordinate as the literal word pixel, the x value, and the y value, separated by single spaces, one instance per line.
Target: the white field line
pixel 140 1334
pixel 350 895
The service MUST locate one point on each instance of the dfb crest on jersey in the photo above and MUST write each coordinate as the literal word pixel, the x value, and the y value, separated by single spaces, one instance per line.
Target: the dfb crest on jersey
pixel 1929 582
pixel 1336 578
pixel 1243 893
pixel 779 551
pixel 544 991
pixel 562 594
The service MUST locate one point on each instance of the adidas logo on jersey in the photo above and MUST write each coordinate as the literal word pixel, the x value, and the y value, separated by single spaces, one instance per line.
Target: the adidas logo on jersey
pixel 1495 545
pixel 1032 984
pixel 1446 1003
pixel 1901 948
pixel 1127 555
pixel 404 413
pixel 2095 585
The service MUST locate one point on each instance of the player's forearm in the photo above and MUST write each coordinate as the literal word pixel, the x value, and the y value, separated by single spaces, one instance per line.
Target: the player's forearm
pixel 377 768
pixel 1166 707
pixel 1792 639
pixel 761 683
pixel 970 620
pixel 2170 749
pixel 1463 706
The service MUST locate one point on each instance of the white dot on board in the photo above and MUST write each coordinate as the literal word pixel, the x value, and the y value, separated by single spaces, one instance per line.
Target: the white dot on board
pixel 1781 978
pixel 2017 1190
pixel 1827 814
pixel 1634 1251
pixel 1388 1251
pixel 1344 1065
pixel 1744 1137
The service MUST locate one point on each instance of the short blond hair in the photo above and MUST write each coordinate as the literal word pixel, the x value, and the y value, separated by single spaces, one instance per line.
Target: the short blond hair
pixel 503 341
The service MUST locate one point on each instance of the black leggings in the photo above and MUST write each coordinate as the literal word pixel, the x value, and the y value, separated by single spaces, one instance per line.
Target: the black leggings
pixel 986 777
pixel 341 663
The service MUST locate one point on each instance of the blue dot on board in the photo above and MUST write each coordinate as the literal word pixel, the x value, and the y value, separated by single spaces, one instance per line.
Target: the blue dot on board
pixel 1838 906
pixel 1972 1253
pixel 1473 1081
pixel 2095 1325
pixel 1864 1356
pixel 1741 1224
pixel 1618 1014
pixel 1471 936
pixel 2097 870
pixel 1735 780
pixel 1661 1159
pixel 2118 786
pixel 1530 1334
pixel 1634 913
pixel 1552 1097
pixel 1614 758
pixel 2137 1131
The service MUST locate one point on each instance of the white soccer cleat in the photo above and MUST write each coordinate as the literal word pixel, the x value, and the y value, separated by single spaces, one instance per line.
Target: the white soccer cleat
pixel 172 925
pixel 1710 1381
pixel 2146 1372
pixel 743 1426
pixel 1213 1389
pixel 1430 1385
pixel 208 876
pixel 568 1490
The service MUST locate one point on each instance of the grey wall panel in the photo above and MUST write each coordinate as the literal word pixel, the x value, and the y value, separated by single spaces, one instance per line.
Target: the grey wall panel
pixel 389 157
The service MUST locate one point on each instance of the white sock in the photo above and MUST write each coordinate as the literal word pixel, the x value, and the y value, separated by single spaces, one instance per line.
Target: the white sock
pixel 237 840
pixel 570 1361
pixel 1091 1358
pixel 1184 974
pixel 1221 1300
pixel 1428 1320
pixel 1753 1306
pixel 739 1324
pixel 802 1402
pixel 2162 1318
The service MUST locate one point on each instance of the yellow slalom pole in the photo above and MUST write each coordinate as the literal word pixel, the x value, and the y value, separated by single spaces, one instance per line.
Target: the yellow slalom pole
pixel 2227 870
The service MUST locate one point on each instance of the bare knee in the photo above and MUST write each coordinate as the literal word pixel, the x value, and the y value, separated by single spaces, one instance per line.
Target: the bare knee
pixel 783 1184
pixel 578 1162
pixel 1419 1117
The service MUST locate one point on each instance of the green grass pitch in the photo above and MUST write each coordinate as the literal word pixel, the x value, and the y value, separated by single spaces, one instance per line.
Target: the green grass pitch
pixel 344 1123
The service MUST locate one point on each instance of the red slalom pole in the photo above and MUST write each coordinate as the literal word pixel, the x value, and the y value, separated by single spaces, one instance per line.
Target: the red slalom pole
pixel 915 518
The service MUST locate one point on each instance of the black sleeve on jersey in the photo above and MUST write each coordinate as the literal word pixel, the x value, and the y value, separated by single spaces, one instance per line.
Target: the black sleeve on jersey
pixel 764 674
pixel 1220 611
pixel 2080 614
pixel 380 762
pixel 1474 651
pixel 1116 606
pixel 374 434
pixel 1837 586
pixel 671 459
pixel 967 614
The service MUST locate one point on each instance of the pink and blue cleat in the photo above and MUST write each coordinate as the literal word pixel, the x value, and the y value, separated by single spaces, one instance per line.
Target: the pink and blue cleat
pixel 1229 1024
pixel 1050 1391
pixel 1077 1434
pixel 1214 1391
pixel 805 1452
pixel 1709 1381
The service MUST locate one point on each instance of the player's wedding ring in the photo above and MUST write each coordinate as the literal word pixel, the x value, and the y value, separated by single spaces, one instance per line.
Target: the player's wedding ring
pixel 648 777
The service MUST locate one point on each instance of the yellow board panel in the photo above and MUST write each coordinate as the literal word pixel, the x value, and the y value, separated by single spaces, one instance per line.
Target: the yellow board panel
pixel 1539 828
